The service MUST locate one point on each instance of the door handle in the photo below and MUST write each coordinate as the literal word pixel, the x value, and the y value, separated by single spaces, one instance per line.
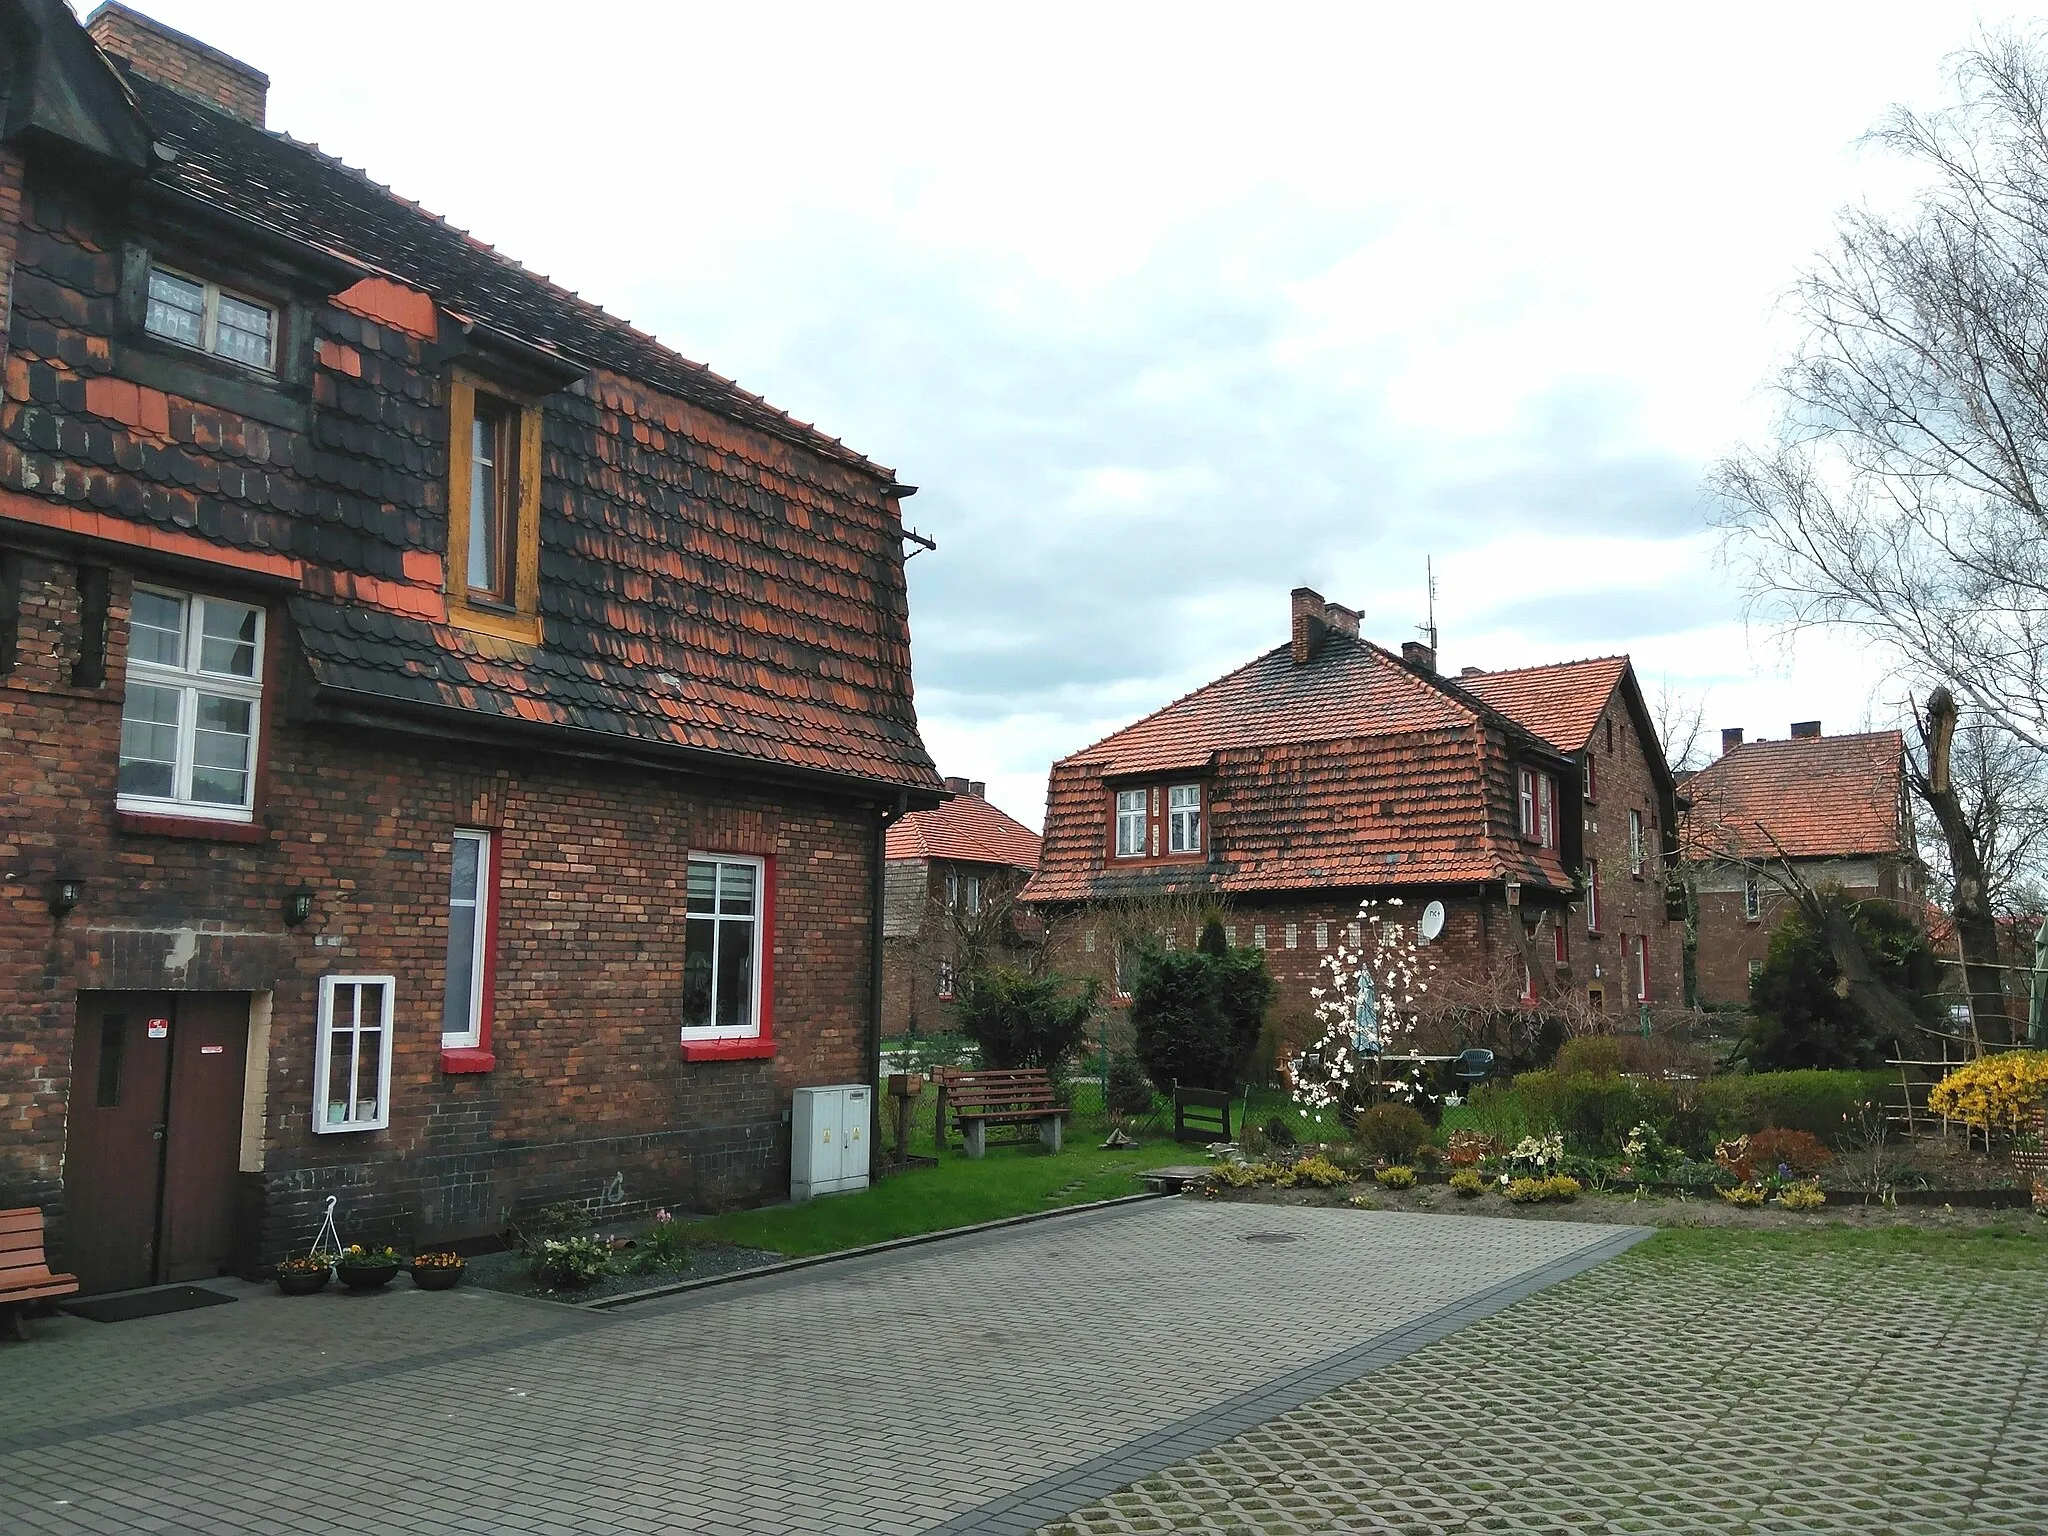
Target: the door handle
pixel 158 1133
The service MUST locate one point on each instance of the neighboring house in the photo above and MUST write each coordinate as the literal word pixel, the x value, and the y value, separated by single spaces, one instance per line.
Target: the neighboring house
pixel 953 877
pixel 1832 809
pixel 449 737
pixel 1622 945
pixel 1320 773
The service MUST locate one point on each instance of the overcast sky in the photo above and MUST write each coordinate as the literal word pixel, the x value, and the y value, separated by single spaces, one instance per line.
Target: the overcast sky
pixel 1170 309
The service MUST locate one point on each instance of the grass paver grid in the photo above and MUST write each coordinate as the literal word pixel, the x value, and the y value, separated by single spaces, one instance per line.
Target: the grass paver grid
pixel 1682 1387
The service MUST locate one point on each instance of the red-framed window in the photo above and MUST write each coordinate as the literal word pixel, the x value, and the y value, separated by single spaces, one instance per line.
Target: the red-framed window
pixel 1592 895
pixel 1560 941
pixel 469 990
pixel 1537 796
pixel 1159 821
pixel 729 958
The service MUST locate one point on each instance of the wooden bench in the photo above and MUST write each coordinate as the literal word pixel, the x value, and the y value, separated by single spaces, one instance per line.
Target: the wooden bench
pixel 1020 1096
pixel 24 1270
pixel 1201 1114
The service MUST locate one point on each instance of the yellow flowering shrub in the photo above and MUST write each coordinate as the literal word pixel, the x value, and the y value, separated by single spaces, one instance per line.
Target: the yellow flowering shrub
pixel 1806 1196
pixel 1318 1172
pixel 1748 1196
pixel 1466 1183
pixel 1397 1177
pixel 1994 1093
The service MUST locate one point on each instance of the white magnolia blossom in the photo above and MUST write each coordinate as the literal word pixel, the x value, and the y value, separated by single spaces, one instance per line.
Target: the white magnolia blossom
pixel 1367 1011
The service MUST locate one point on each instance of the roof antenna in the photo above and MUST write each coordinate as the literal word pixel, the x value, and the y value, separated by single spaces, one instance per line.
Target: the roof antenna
pixel 1429 580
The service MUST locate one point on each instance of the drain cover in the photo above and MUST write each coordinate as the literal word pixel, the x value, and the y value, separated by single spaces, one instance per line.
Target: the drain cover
pixel 1267 1237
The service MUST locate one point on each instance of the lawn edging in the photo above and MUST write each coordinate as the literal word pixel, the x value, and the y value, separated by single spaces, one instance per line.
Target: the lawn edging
pixel 916 1239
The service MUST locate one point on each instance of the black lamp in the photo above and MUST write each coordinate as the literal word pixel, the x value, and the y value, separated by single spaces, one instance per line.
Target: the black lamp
pixel 298 905
pixel 66 891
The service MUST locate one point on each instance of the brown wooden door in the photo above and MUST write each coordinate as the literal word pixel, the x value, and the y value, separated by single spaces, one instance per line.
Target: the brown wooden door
pixel 209 1044
pixel 114 1143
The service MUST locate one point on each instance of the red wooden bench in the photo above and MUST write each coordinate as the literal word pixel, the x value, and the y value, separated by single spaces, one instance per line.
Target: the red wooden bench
pixel 24 1270
pixel 1019 1096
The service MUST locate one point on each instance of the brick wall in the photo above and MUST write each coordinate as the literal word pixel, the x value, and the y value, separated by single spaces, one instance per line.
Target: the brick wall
pixel 1629 904
pixel 1730 941
pixel 924 937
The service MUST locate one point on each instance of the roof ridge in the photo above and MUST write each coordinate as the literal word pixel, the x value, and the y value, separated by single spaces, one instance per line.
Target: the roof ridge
pixel 1213 682
pixel 1555 666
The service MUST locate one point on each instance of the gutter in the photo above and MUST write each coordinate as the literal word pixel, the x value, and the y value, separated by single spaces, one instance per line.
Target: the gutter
pixel 877 894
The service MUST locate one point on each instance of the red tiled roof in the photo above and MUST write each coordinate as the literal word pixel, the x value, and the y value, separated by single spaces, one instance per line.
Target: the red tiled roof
pixel 1803 798
pixel 1561 702
pixel 966 828
pixel 1354 769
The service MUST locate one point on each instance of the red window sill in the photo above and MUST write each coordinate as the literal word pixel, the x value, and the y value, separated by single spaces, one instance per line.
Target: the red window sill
pixel 192 826
pixel 728 1050
pixel 466 1059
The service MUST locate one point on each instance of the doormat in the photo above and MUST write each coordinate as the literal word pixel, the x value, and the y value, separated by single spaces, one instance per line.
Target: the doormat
pixel 150 1303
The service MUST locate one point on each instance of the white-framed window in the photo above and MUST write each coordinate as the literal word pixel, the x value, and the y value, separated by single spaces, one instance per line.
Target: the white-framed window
pixel 1126 964
pixel 1354 934
pixel 1756 969
pixel 469 924
pixel 973 884
pixel 1592 779
pixel 946 979
pixel 1088 941
pixel 1592 895
pixel 191 710
pixel 1258 935
pixel 352 1064
pixel 1752 898
pixel 1230 934
pixel 1184 818
pixel 1130 823
pixel 952 890
pixel 209 318
pixel 1293 936
pixel 1536 794
pixel 1641 944
pixel 722 948
pixel 1635 842
pixel 1322 935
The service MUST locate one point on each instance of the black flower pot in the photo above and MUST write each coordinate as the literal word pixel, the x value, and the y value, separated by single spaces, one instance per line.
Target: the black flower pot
pixel 367 1277
pixel 302 1282
pixel 437 1277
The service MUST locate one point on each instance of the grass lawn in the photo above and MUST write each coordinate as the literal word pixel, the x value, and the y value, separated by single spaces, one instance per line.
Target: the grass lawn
pixel 2020 1243
pixel 1010 1181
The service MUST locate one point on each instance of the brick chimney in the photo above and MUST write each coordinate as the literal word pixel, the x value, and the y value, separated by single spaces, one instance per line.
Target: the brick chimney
pixel 958 785
pixel 1471 671
pixel 978 788
pixel 1806 730
pixel 1418 655
pixel 1731 738
pixel 183 63
pixel 1314 619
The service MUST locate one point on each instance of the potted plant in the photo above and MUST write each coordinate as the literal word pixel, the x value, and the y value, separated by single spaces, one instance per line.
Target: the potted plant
pixel 437 1271
pixel 366 1269
pixel 305 1273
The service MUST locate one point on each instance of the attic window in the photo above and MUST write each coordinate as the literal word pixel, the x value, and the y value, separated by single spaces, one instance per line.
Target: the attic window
pixel 208 318
pixel 1157 821
pixel 493 565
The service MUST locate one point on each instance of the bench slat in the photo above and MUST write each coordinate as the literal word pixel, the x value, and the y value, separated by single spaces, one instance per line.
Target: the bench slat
pixel 57 1285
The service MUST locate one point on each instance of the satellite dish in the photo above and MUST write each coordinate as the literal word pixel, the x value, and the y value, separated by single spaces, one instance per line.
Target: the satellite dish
pixel 1432 921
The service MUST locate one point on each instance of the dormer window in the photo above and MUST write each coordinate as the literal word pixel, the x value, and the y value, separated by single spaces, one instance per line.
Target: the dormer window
pixel 1158 821
pixel 493 500
pixel 208 318
pixel 493 576
pixel 1537 793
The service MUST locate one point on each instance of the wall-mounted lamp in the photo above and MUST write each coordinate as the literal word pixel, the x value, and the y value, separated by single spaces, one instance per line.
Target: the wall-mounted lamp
pixel 298 905
pixel 66 892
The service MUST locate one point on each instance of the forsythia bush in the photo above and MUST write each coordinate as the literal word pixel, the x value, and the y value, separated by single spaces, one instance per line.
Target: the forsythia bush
pixel 1802 1197
pixel 1996 1093
pixel 1748 1196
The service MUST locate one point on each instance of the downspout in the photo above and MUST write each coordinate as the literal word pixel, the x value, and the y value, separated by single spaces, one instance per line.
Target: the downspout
pixel 877 894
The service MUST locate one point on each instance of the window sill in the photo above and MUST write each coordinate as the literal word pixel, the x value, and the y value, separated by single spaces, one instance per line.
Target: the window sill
pixel 503 624
pixel 728 1050
pixel 143 824
pixel 466 1058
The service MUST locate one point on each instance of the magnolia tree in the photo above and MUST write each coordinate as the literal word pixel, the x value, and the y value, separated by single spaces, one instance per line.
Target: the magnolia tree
pixel 1368 1009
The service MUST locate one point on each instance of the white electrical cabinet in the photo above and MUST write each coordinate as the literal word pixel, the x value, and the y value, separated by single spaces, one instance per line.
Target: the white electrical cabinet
pixel 828 1152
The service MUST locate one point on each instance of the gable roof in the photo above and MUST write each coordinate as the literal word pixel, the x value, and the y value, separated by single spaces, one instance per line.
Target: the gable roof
pixel 1561 701
pixel 1808 797
pixel 295 190
pixel 966 828
pixel 1355 768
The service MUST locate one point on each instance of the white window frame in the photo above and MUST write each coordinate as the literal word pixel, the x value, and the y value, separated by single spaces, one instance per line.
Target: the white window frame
pixel 1525 795
pixel 209 318
pixel 751 1030
pixel 323 1056
pixel 1184 820
pixel 946 981
pixel 1258 935
pixel 1592 895
pixel 1292 937
pixel 973 884
pixel 1120 969
pixel 1642 965
pixel 1756 969
pixel 479 938
pixel 190 682
pixel 1322 935
pixel 1635 842
pixel 1130 814
pixel 952 890
pixel 1752 899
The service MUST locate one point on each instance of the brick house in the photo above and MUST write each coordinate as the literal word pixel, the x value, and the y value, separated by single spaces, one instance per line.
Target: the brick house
pixel 1623 945
pixel 450 737
pixel 953 878
pixel 1326 771
pixel 1833 808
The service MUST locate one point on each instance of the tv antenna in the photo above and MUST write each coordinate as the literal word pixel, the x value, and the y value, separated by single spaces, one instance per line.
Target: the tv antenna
pixel 1428 629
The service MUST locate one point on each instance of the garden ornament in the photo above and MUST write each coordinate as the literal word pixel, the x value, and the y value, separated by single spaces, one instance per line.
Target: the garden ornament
pixel 1365 1021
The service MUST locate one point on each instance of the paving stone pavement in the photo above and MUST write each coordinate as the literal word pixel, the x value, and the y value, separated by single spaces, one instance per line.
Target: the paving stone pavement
pixel 1672 1390
pixel 946 1385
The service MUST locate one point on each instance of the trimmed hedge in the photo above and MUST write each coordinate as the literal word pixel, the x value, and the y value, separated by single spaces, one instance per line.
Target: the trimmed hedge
pixel 1596 1113
pixel 1817 1102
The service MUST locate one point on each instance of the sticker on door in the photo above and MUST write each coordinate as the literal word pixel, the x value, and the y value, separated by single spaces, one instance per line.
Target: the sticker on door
pixel 159 1029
